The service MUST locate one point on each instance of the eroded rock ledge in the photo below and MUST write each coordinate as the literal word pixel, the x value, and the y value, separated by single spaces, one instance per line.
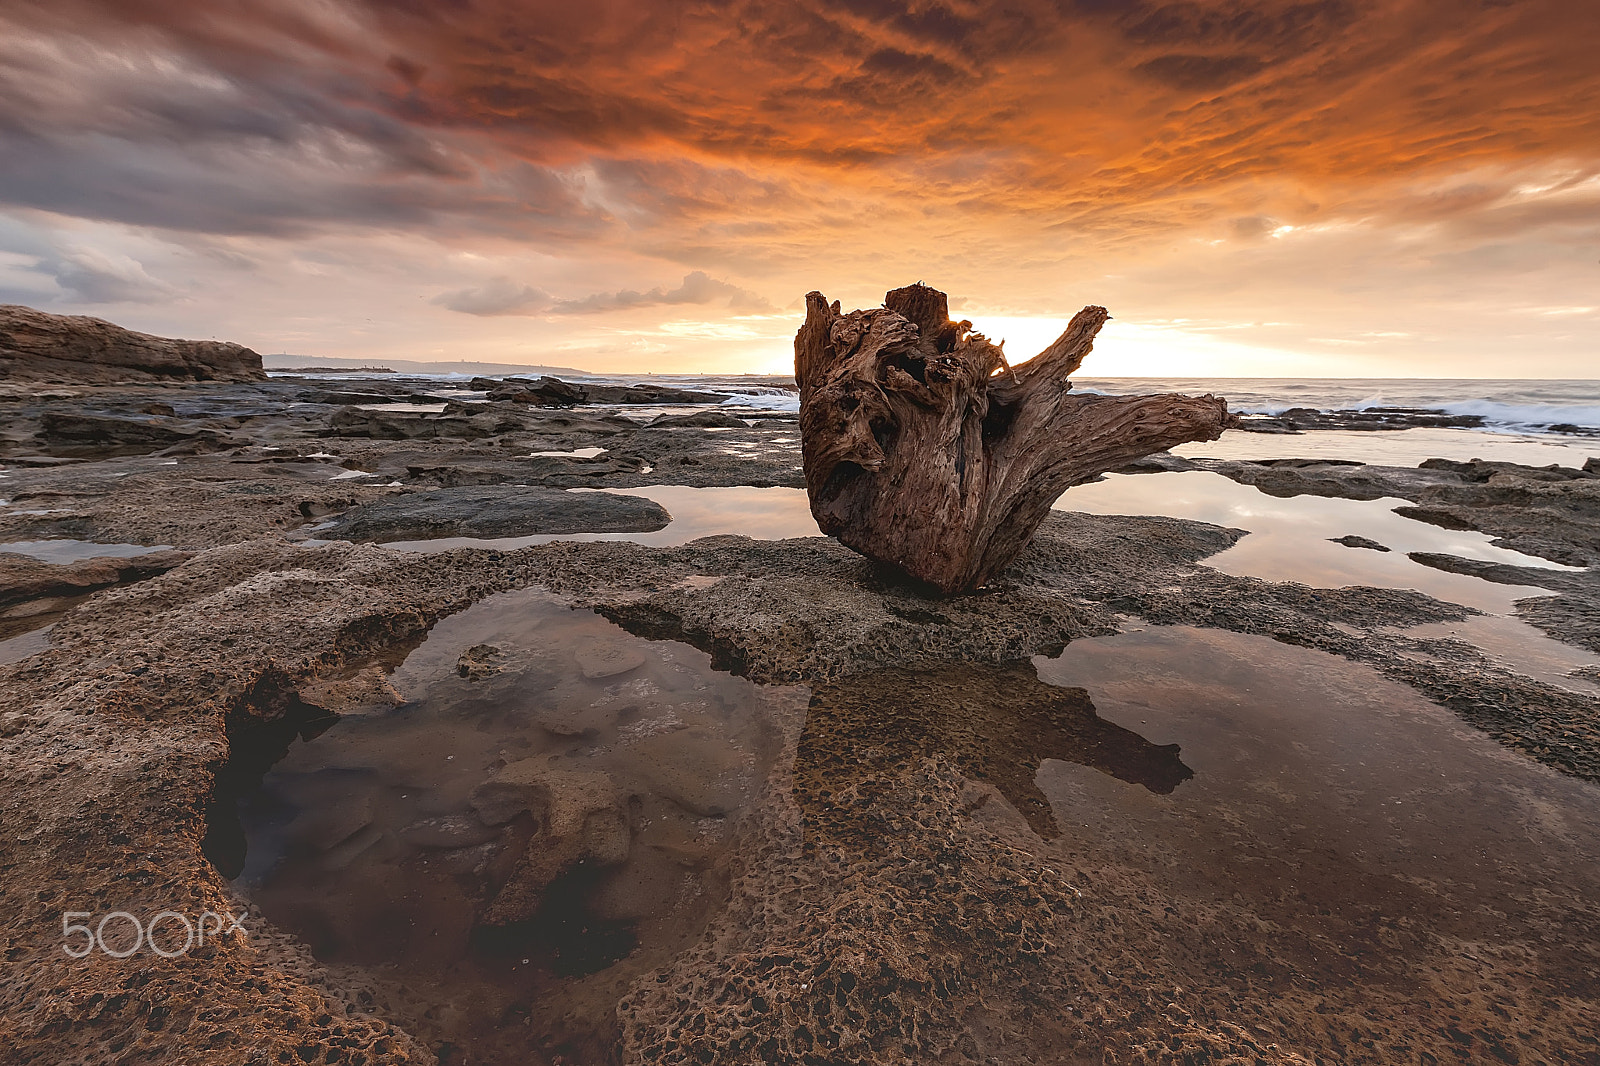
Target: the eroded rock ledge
pixel 36 346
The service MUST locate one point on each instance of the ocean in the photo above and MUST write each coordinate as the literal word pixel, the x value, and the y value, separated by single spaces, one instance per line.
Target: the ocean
pixel 1516 405
pixel 1510 405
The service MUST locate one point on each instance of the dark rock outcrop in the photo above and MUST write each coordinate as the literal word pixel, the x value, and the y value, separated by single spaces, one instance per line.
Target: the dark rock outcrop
pixel 498 511
pixel 150 431
pixel 553 392
pixel 40 347
pixel 699 420
pixel 457 421
pixel 1301 419
pixel 1354 540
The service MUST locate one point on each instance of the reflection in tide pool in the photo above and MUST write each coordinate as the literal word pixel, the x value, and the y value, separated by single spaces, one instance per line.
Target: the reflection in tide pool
pixel 17 648
pixel 1290 539
pixel 764 513
pixel 576 453
pixel 1332 800
pixel 71 551
pixel 1399 447
pixel 995 723
pixel 554 799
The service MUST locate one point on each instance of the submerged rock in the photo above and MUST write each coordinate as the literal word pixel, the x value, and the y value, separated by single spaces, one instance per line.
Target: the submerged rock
pixel 1353 540
pixel 697 772
pixel 603 658
pixel 447 832
pixel 327 827
pixel 581 815
pixel 367 691
pixel 479 661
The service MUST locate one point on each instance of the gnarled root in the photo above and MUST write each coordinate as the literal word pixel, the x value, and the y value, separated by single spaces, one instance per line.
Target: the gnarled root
pixel 925 450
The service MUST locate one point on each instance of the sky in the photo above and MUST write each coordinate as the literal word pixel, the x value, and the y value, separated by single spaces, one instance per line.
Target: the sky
pixel 1368 188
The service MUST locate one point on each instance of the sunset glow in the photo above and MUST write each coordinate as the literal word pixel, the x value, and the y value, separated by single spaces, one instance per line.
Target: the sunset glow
pixel 1253 187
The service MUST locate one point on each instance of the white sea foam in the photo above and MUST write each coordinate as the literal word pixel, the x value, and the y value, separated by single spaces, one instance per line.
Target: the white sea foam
pixel 1527 416
pixel 765 401
pixel 1520 406
pixel 1510 405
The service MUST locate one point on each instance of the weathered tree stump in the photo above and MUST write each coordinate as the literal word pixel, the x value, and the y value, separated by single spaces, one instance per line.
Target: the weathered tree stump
pixel 925 450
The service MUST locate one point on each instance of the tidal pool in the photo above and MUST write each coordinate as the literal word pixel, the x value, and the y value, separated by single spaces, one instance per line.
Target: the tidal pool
pixel 1399 447
pixel 71 551
pixel 24 643
pixel 546 814
pixel 1293 539
pixel 558 811
pixel 741 510
pixel 1346 814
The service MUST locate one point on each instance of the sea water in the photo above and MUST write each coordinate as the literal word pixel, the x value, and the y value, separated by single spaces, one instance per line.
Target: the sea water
pixel 1509 405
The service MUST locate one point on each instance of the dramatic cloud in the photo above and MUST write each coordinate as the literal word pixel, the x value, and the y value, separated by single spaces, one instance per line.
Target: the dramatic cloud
pixel 1308 162
pixel 45 266
pixel 502 296
pixel 98 278
pixel 498 296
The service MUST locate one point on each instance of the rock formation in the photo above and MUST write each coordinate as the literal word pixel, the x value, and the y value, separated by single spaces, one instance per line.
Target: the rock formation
pixel 75 349
pixel 925 450
pixel 553 392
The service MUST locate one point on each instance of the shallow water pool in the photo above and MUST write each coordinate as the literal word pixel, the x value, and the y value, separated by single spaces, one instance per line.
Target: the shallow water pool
pixel 553 799
pixel 762 513
pixel 71 551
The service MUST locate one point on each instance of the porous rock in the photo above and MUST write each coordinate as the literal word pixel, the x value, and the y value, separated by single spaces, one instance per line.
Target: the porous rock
pixel 497 511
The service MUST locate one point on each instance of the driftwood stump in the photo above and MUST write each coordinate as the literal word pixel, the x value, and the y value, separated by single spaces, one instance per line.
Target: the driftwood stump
pixel 925 450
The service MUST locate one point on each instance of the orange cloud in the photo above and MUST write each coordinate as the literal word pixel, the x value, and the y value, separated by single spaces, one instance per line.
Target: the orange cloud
pixel 1005 149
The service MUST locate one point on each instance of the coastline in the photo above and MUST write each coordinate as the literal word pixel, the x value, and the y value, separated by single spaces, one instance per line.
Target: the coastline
pixel 260 610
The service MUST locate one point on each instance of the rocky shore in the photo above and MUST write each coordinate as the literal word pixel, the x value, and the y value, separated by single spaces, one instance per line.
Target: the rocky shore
pixel 892 899
pixel 38 347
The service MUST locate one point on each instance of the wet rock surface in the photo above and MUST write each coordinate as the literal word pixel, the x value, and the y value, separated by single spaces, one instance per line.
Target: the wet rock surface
pixel 1551 511
pixel 1303 419
pixel 24 579
pixel 884 885
pixel 496 511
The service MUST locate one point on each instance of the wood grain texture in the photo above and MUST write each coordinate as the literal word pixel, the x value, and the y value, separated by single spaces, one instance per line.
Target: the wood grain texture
pixel 926 451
